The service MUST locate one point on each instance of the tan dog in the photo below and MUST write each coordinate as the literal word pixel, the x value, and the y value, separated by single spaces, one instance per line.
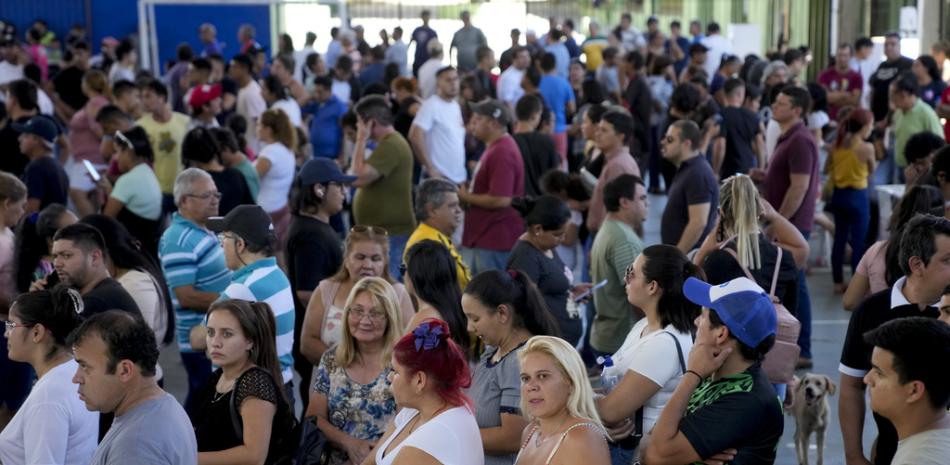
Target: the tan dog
pixel 810 409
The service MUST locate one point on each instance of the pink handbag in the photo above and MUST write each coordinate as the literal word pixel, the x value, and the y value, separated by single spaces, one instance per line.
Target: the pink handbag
pixel 780 362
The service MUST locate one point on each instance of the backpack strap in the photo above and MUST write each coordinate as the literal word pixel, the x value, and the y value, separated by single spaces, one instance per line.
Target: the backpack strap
pixel 778 266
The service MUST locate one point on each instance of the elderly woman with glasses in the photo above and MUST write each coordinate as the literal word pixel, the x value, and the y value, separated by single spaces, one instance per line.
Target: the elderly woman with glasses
pixel 366 254
pixel 136 199
pixel 352 397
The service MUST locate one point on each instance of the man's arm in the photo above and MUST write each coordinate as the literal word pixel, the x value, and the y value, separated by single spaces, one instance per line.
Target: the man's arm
pixel 719 152
pixel 487 201
pixel 698 217
pixel 851 419
pixel 193 299
pixel 797 189
pixel 418 139
pixel 365 173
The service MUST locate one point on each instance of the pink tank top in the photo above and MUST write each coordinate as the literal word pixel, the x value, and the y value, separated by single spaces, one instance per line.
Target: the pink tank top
pixel 82 137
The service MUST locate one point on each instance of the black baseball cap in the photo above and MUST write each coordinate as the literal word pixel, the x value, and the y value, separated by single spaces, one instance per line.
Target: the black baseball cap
pixel 493 109
pixel 41 126
pixel 250 222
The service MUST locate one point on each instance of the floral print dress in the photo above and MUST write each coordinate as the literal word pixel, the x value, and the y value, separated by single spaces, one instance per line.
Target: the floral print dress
pixel 360 410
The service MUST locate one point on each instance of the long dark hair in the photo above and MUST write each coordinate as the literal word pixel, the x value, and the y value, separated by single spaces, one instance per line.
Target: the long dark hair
pixel 516 290
pixel 126 252
pixel 31 242
pixel 56 309
pixel 670 268
pixel 919 199
pixel 432 272
pixel 547 211
pixel 258 324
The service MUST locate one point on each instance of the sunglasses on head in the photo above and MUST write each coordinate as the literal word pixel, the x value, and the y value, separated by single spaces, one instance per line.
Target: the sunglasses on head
pixel 124 140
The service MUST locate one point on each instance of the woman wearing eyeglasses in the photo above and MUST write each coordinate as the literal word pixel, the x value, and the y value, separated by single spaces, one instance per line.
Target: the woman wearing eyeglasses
pixel 52 425
pixel 136 199
pixel 352 398
pixel 365 254
pixel 652 358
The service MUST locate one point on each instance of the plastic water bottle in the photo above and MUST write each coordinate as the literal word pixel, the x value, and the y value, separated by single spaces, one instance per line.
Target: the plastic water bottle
pixel 608 379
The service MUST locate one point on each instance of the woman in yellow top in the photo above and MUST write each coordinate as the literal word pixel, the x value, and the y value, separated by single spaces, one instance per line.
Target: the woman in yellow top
pixel 850 163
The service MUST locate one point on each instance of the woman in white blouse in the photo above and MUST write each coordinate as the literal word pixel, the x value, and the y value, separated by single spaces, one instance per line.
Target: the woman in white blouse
pixel 652 359
pixel 52 425
pixel 275 167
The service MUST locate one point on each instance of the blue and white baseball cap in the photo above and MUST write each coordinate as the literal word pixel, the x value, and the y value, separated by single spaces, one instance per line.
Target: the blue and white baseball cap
pixel 741 304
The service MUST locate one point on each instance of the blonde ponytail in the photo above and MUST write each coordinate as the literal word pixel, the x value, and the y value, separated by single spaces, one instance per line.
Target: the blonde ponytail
pixel 739 201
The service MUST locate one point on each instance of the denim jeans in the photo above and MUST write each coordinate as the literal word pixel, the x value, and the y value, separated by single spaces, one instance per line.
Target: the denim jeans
pixel 619 455
pixel 852 214
pixel 479 260
pixel 803 312
pixel 198 367
pixel 397 245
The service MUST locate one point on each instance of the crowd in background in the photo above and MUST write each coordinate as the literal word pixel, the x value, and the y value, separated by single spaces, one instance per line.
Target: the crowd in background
pixel 442 258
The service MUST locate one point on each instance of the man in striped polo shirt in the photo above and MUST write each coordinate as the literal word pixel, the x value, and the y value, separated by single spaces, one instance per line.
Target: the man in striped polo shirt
pixel 248 238
pixel 194 267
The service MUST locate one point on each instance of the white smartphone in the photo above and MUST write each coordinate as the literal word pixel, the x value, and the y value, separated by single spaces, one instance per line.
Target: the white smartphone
pixel 92 171
pixel 583 295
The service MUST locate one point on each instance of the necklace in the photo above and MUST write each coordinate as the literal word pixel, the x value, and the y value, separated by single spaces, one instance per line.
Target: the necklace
pixel 538 441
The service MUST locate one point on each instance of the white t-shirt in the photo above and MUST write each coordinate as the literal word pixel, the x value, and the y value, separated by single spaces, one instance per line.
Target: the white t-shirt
pixel 119 73
pixel 427 78
pixel 445 136
pixel 275 184
pixel 718 46
pixel 926 448
pixel 451 437
pixel 10 72
pixel 53 425
pixel 250 105
pixel 509 86
pixel 655 357
pixel 44 102
pixel 772 132
pixel 291 108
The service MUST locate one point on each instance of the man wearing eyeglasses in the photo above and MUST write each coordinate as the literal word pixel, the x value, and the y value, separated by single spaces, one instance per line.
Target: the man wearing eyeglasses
pixel 194 266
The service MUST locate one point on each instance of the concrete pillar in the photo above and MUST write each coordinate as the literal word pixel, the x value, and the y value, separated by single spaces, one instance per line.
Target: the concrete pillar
pixel 852 21
pixel 928 14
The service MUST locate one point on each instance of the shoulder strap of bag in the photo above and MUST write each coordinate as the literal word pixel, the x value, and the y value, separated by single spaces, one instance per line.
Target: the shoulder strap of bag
pixel 235 416
pixel 778 266
pixel 638 418
pixel 745 270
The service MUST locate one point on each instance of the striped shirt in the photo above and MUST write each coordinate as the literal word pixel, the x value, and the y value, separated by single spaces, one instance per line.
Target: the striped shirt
pixel 191 256
pixel 263 281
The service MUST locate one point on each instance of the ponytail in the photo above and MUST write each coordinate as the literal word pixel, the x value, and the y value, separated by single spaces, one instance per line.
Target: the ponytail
pixel 739 202
pixel 58 310
pixel 515 289
pixel 670 268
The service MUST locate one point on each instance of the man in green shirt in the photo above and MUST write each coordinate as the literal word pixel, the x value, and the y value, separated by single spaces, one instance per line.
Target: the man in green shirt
pixel 615 248
pixel 384 181
pixel 911 115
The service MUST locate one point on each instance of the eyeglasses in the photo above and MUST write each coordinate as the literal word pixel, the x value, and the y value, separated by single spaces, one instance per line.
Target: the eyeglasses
pixel 11 325
pixel 628 273
pixel 206 195
pixel 357 314
pixel 223 236
pixel 124 140
pixel 370 229
pixel 403 268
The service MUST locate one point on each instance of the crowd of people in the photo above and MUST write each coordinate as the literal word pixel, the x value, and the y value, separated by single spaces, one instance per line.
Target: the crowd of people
pixel 447 263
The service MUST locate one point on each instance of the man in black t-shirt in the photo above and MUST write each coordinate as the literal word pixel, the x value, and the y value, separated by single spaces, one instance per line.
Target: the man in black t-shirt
pixel 46 181
pixel 724 400
pixel 537 149
pixel 738 147
pixel 80 259
pixel 925 260
pixel 693 203
pixel 68 82
pixel 887 72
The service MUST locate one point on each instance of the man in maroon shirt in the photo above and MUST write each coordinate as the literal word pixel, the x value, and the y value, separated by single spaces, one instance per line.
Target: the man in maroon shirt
pixel 492 225
pixel 792 185
pixel 842 83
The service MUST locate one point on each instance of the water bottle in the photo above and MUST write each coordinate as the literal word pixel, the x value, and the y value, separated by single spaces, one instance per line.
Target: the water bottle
pixel 608 379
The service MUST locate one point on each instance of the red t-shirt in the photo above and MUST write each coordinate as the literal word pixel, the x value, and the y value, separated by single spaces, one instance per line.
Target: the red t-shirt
pixel 945 99
pixel 796 153
pixel 500 173
pixel 834 81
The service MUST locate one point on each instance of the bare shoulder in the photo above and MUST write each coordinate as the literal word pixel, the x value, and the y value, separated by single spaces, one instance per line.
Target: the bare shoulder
pixel 585 443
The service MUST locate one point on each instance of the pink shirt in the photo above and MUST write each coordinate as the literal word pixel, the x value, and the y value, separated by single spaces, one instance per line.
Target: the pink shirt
pixel 872 265
pixel 82 132
pixel 621 163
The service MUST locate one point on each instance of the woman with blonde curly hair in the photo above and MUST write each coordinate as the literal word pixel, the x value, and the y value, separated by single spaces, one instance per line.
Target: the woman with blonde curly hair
pixel 558 400
pixel 352 398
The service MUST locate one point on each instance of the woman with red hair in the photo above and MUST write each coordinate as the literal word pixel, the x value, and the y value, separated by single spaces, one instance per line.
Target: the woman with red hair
pixel 436 424
pixel 850 163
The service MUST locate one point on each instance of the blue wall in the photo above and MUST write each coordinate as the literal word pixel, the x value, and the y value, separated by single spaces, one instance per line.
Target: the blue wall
pixel 119 19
